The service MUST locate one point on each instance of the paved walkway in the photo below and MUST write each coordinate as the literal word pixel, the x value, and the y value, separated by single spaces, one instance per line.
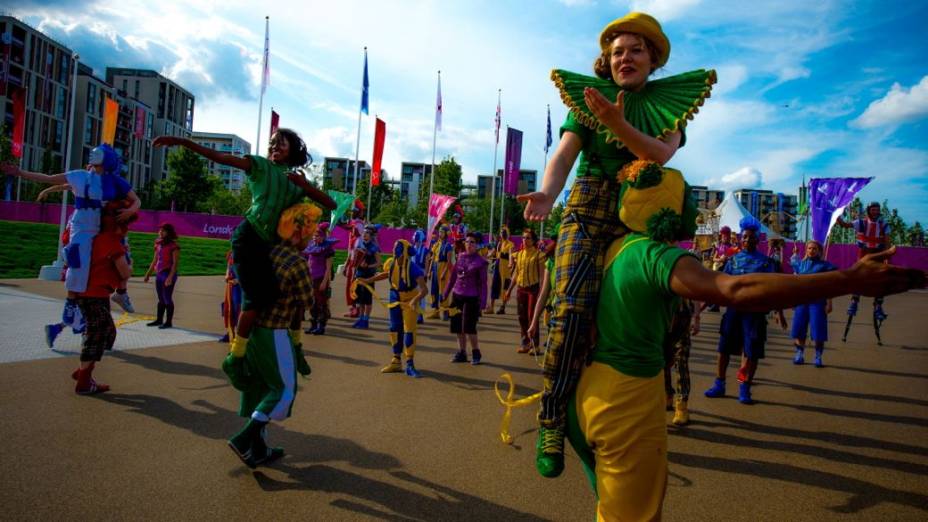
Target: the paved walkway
pixel 25 315
pixel 849 441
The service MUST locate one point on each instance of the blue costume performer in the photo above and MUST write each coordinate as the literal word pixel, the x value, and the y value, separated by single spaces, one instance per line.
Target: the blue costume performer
pixel 422 255
pixel 814 314
pixel 407 288
pixel 743 333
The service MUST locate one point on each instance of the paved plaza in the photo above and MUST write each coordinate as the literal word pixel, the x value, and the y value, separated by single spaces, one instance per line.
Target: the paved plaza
pixel 849 441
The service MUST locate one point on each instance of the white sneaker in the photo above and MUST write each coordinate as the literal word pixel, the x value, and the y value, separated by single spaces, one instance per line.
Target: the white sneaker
pixel 124 302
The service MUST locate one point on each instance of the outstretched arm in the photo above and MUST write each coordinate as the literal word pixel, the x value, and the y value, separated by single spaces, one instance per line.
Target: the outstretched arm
pixel 51 179
pixel 208 153
pixel 50 190
pixel 312 192
pixel 538 204
pixel 870 276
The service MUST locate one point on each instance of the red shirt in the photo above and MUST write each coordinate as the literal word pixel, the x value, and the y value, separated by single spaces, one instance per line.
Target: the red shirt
pixel 104 277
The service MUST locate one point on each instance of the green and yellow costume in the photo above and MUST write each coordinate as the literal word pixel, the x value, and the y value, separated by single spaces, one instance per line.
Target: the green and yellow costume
pixel 616 414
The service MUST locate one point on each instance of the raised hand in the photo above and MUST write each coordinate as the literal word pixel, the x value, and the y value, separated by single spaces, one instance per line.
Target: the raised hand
pixel 609 114
pixel 537 205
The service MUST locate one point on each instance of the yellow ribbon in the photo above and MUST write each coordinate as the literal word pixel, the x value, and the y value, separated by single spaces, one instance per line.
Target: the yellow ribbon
pixel 404 304
pixel 126 318
pixel 509 403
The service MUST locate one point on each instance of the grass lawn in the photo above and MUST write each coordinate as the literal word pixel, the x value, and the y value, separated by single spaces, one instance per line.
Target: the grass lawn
pixel 25 247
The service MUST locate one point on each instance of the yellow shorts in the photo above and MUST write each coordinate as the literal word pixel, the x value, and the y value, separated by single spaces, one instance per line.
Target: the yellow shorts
pixel 617 425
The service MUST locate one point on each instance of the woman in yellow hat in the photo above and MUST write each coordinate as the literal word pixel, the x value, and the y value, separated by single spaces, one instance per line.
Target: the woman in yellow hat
pixel 646 121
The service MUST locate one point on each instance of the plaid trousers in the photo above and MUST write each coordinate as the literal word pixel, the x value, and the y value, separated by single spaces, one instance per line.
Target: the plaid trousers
pixel 100 332
pixel 590 224
pixel 677 350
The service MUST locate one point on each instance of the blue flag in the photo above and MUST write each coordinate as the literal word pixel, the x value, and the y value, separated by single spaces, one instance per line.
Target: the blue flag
pixel 365 86
pixel 548 140
pixel 828 198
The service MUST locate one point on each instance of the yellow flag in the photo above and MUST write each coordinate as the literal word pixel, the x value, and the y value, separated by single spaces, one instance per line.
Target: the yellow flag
pixel 110 112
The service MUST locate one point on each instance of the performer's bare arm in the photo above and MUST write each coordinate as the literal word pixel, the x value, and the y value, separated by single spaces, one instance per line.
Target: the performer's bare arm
pixel 51 190
pixel 870 276
pixel 538 204
pixel 222 158
pixel 38 177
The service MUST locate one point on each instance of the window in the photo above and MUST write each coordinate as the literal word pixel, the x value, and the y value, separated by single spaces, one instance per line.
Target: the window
pixel 161 99
pixel 136 89
pixel 59 103
pixel 91 97
pixel 88 130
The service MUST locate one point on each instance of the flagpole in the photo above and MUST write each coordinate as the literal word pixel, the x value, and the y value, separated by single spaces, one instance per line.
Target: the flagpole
pixel 357 147
pixel 267 25
pixel 434 142
pixel 545 165
pixel 499 96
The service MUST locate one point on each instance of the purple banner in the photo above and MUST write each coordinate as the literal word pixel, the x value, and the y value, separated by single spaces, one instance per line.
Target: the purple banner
pixel 513 161
pixel 828 198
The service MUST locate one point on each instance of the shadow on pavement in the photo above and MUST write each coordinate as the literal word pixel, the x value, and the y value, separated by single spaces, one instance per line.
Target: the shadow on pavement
pixel 863 494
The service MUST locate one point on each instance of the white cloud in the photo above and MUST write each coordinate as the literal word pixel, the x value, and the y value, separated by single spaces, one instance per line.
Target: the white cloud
pixel 745 177
pixel 900 105
pixel 730 77
pixel 664 10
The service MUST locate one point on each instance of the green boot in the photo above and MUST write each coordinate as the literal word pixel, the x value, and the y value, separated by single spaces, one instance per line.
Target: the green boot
pixel 549 452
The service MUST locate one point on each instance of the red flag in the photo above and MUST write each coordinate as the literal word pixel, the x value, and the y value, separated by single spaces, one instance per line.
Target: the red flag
pixel 139 122
pixel 380 134
pixel 275 121
pixel 19 121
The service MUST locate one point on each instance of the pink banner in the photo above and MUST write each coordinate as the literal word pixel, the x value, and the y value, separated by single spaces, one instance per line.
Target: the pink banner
pixel 438 205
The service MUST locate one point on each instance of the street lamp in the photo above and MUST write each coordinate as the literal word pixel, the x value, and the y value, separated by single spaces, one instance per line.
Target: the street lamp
pixel 52 272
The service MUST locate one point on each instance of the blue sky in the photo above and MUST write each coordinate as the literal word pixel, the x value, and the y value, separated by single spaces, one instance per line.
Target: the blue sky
pixel 821 89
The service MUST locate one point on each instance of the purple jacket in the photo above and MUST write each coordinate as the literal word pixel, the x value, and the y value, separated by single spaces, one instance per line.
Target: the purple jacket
pixel 469 278
pixel 317 255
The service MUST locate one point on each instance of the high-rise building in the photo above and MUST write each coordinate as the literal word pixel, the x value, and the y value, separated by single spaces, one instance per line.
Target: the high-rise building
pixel 776 210
pixel 42 68
pixel 338 173
pixel 707 198
pixel 233 179
pixel 172 105
pixel 412 177
pixel 528 180
pixel 134 122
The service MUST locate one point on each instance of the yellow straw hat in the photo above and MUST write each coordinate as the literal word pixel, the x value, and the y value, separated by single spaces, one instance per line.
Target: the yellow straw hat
pixel 638 23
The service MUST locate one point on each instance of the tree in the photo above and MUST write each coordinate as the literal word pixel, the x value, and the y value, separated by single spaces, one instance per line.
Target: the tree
pixel 916 235
pixel 382 194
pixel 188 184
pixel 229 203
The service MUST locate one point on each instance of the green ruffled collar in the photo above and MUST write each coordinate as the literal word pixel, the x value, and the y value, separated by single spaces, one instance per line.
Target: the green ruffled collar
pixel 661 108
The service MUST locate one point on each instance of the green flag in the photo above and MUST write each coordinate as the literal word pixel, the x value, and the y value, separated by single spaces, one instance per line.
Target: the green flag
pixel 343 202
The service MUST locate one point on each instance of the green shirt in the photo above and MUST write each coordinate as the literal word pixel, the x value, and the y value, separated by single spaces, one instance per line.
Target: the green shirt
pixel 596 156
pixel 549 266
pixel 271 194
pixel 636 306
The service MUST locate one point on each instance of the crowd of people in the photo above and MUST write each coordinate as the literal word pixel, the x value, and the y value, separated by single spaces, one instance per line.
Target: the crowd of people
pixel 619 297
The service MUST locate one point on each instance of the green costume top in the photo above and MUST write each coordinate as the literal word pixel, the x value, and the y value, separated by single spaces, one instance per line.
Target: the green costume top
pixel 636 305
pixel 659 109
pixel 271 193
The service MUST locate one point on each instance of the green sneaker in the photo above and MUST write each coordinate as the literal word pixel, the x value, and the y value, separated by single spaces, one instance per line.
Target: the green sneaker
pixel 549 452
